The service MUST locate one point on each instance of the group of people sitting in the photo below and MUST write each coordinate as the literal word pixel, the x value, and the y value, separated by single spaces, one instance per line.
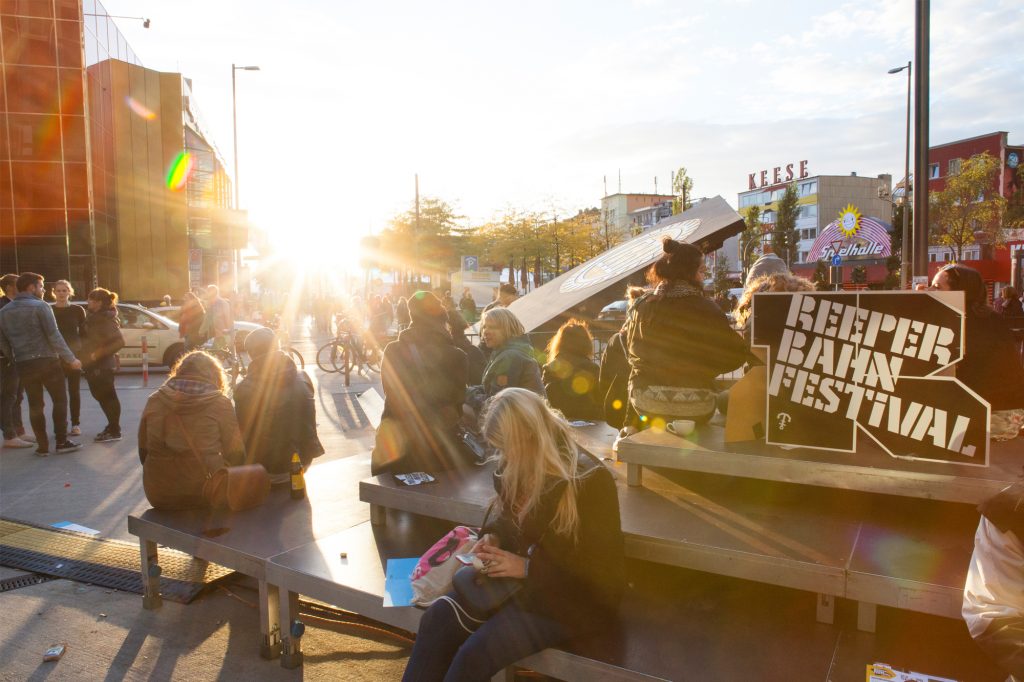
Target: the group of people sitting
pixel 190 429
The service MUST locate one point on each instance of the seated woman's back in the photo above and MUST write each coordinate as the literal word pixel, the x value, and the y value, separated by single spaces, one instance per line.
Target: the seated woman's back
pixel 188 430
pixel 571 376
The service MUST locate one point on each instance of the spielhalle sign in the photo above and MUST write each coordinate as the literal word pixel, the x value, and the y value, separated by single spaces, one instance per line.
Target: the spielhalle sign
pixel 877 363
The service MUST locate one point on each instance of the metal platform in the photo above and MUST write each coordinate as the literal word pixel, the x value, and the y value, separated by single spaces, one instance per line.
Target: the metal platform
pixel 867 470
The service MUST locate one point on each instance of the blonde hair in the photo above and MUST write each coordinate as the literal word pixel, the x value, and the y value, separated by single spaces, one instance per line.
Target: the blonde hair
pixel 536 446
pixel 508 324
pixel 71 289
pixel 200 366
pixel 776 282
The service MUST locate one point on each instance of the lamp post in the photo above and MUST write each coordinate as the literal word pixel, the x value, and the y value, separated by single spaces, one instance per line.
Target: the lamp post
pixel 237 260
pixel 906 250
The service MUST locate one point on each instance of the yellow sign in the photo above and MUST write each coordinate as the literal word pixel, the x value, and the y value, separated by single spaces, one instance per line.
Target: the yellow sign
pixel 849 220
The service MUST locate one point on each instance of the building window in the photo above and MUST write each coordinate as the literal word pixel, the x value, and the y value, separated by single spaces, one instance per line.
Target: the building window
pixel 954 166
pixel 933 171
pixel 768 217
pixel 806 188
pixel 808 211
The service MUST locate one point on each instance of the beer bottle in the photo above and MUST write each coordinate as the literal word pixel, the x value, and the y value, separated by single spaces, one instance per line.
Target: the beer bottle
pixel 298 481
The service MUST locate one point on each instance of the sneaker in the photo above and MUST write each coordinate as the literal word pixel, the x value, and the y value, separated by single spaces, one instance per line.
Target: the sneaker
pixel 106 437
pixel 43 451
pixel 67 446
pixel 17 443
pixel 28 437
pixel 76 430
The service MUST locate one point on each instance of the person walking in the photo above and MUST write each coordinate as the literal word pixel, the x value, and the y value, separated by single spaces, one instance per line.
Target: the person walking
pixel 467 305
pixel 218 322
pixel 70 323
pixel 190 323
pixel 28 333
pixel 10 386
pixel 100 344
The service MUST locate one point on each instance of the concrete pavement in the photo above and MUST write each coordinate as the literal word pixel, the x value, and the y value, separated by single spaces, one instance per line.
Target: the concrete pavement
pixel 108 634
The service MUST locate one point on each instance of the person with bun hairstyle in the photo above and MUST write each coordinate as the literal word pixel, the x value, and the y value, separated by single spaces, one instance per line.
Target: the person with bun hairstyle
pixel 554 528
pixel 678 341
pixel 991 365
pixel 101 341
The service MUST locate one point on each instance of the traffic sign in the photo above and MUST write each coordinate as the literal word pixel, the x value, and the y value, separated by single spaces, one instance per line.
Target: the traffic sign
pixel 837 260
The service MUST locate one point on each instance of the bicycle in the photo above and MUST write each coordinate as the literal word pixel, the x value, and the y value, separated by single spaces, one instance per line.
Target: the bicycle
pixel 348 350
pixel 236 365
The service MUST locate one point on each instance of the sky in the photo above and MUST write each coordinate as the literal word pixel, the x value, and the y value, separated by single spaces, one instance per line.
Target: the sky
pixel 532 104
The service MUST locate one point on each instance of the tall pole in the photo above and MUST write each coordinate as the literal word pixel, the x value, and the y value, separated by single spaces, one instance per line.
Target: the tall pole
pixel 416 239
pixel 921 97
pixel 234 147
pixel 907 243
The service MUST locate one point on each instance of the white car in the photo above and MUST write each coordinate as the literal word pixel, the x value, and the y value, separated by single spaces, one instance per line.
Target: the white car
pixel 165 346
pixel 242 329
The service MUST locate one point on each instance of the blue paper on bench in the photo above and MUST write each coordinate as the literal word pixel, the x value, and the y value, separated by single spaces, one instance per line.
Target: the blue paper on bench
pixel 398 582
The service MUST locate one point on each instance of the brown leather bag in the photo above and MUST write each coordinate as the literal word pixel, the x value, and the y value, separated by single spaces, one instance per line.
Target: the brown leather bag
pixel 235 488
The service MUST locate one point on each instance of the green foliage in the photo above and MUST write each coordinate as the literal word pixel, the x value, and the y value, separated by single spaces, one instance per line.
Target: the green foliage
pixel 751 233
pixel 1014 216
pixel 682 188
pixel 820 276
pixel 968 205
pixel 892 276
pixel 720 279
pixel 784 237
pixel 859 275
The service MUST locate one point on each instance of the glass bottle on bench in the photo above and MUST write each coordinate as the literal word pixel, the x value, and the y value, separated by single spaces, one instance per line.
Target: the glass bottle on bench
pixel 298 481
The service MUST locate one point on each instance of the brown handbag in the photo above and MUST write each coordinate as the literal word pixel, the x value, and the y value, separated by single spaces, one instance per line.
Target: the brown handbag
pixel 235 488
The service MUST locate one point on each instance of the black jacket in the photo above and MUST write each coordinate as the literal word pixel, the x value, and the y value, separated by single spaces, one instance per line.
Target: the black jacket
pixel 680 340
pixel 991 365
pixel 276 412
pixel 578 583
pixel 614 381
pixel 571 382
pixel 475 359
pixel 424 380
pixel 71 324
pixel 101 340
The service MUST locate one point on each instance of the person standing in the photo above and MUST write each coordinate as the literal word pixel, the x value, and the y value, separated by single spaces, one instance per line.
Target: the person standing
pixel 191 321
pixel 102 340
pixel 506 295
pixel 10 386
pixel 218 322
pixel 467 305
pixel 70 323
pixel 28 333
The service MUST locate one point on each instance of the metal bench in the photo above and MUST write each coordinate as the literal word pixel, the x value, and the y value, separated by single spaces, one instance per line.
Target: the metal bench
pixel 813 539
pixel 245 541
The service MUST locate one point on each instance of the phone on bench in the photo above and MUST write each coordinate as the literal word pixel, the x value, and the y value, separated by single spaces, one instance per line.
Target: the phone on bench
pixel 414 478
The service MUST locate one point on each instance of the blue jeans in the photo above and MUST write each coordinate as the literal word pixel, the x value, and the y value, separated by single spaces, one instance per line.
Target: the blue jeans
pixel 445 651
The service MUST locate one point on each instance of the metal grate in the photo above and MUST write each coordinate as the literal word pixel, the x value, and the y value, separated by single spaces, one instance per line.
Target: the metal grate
pixel 350 411
pixel 19 581
pixel 108 563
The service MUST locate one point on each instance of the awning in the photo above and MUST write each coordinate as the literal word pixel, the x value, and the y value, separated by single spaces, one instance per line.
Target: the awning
pixel 706 225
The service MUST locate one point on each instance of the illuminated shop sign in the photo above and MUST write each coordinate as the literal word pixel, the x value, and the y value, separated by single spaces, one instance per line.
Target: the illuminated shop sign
pixel 852 237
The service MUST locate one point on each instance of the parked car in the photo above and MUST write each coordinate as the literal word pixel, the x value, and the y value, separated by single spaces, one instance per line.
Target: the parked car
pixel 242 329
pixel 614 311
pixel 165 347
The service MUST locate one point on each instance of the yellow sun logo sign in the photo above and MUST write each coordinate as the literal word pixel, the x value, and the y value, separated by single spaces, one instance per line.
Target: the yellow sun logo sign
pixel 849 220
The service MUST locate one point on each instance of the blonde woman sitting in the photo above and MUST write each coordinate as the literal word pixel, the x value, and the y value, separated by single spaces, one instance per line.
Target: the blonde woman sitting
pixel 556 529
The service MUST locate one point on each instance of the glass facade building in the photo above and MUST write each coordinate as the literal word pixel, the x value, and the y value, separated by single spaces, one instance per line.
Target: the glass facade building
pixel 87 135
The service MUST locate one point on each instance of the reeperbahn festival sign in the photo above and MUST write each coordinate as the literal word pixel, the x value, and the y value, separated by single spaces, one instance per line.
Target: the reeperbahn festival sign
pixel 706 225
pixel 852 237
pixel 878 363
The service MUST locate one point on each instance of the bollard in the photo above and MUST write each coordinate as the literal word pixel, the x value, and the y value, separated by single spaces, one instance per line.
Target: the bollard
pixel 145 361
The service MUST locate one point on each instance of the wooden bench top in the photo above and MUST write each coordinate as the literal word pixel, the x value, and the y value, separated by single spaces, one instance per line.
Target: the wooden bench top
pixel 674 625
pixel 869 469
pixel 243 541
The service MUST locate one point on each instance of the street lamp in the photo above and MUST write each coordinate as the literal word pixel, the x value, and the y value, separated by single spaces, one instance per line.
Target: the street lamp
pixel 144 20
pixel 905 257
pixel 234 125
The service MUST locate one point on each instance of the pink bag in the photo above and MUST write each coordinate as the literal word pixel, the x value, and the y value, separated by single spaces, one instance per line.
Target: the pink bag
pixel 432 577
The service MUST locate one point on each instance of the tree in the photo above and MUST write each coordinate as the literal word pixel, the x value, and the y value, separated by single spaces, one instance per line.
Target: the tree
pixel 784 237
pixel 720 280
pixel 969 207
pixel 428 246
pixel 1014 217
pixel 820 276
pixel 859 275
pixel 682 187
pixel 751 233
